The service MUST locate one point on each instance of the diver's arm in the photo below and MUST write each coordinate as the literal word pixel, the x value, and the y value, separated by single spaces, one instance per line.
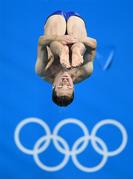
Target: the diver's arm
pixel 64 39
pixel 90 42
pixel 85 70
pixel 39 66
pixel 45 40
pixel 67 39
pixel 44 59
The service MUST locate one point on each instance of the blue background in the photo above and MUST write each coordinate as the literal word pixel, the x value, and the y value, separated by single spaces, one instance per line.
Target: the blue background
pixel 106 94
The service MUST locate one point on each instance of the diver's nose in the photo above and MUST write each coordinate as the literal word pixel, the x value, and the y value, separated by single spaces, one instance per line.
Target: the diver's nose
pixel 65 74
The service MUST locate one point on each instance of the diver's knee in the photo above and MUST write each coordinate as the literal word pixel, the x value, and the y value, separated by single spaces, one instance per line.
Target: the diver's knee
pixel 76 27
pixel 55 25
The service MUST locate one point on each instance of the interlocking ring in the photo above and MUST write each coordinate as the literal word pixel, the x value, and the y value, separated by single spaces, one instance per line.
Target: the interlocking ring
pixel 70 121
pixel 100 165
pixel 119 126
pixel 25 122
pixel 66 150
pixel 54 168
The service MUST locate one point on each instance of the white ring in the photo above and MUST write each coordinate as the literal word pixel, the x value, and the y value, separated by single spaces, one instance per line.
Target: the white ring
pixel 21 125
pixel 119 126
pixel 97 167
pixel 53 168
pixel 66 150
pixel 70 121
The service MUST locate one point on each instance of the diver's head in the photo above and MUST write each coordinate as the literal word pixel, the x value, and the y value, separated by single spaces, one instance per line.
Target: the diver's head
pixel 63 89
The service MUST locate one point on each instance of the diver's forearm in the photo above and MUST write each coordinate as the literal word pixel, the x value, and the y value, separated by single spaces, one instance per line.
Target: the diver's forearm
pixel 90 42
pixel 46 40
pixel 64 39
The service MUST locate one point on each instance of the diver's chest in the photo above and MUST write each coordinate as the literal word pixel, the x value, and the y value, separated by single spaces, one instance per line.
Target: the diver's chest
pixel 52 72
pixel 75 73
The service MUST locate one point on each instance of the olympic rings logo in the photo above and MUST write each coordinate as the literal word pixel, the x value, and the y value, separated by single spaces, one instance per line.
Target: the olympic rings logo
pixel 65 149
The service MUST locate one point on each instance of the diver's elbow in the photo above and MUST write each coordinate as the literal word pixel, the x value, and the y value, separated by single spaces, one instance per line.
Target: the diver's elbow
pixel 89 69
pixel 38 69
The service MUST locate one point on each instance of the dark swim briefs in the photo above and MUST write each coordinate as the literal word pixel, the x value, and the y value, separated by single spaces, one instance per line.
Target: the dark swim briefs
pixel 66 15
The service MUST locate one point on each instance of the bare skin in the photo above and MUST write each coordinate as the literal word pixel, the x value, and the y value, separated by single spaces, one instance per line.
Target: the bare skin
pixel 56 27
pixel 76 28
pixel 63 84
pixel 62 51
pixel 53 47
pixel 58 46
pixel 47 66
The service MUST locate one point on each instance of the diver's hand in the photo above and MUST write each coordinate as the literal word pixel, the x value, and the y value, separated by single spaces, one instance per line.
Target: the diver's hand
pixel 67 39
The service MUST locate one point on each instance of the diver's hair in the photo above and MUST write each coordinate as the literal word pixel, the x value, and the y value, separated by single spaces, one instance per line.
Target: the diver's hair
pixel 62 100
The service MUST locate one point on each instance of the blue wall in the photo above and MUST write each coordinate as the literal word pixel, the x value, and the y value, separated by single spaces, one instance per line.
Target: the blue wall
pixel 107 94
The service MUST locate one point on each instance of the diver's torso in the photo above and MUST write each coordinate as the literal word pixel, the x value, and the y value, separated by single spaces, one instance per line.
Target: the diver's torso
pixel 78 74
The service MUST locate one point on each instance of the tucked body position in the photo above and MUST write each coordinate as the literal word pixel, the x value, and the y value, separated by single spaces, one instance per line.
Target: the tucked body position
pixel 65 54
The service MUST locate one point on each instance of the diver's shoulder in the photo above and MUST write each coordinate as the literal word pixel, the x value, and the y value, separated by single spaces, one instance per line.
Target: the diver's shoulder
pixel 48 80
pixel 51 74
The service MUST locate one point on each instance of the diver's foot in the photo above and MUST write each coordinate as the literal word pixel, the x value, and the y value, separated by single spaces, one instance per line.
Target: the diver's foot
pixel 64 58
pixel 77 60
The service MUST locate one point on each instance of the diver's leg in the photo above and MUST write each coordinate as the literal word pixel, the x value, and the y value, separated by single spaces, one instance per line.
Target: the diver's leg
pixel 76 28
pixel 55 25
pixel 78 50
pixel 62 51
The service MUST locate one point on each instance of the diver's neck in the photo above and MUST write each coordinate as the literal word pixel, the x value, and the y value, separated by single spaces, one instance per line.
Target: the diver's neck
pixel 60 74
pixel 62 71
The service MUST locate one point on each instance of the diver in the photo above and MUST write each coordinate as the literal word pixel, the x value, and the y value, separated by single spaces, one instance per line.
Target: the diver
pixel 65 54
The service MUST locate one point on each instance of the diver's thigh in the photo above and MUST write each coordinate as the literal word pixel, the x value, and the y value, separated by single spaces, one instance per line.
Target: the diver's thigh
pixel 56 47
pixel 55 25
pixel 76 27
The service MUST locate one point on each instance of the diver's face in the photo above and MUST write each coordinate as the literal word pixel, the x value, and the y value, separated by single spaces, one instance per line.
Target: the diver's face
pixel 64 85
